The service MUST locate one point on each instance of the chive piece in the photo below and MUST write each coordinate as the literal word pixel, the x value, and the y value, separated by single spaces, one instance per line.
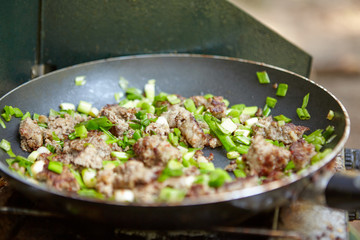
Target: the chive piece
pixel 239 107
pixel 227 103
pixel 78 178
pixel 266 111
pixel 67 106
pixel 97 124
pixel 320 155
pixel 282 90
pixel 123 156
pixel 330 115
pixel 80 80
pixel 218 177
pixel 242 149
pixel 26 115
pixel 227 126
pixel 242 139
pixel 200 110
pixel 123 83
pixel 239 173
pixel 234 113
pixel 149 90
pixel 263 77
pixel 51 148
pixel 161 97
pixel 232 155
pixel 18 113
pixel 89 177
pixel 90 193
pixel 5 145
pixel 177 132
pixel 133 93
pixel 290 165
pixel 56 167
pixel 168 194
pixel 328 131
pixel 190 105
pixel 208 166
pixel 208 95
pixel 303 114
pixel 250 111
pixel 81 131
pixel 84 107
pixel 282 118
pixel 271 102
pixel 305 101
pixel 174 140
pixel 2 123
pixel 173 99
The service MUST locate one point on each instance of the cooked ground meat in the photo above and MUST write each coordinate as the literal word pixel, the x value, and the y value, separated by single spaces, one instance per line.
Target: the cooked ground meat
pixel 119 116
pixel 87 152
pixel 31 135
pixel 63 181
pixel 62 126
pixel 160 127
pixel 301 153
pixel 264 157
pixel 215 105
pixel 184 120
pixel 155 150
pixel 270 129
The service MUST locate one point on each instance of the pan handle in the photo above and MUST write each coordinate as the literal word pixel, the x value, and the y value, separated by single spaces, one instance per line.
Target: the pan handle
pixel 352 159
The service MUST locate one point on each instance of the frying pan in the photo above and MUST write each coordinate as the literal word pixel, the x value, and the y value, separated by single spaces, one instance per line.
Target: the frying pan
pixel 187 75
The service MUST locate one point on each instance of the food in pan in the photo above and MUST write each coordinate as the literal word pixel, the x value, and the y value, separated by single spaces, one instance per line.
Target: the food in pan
pixel 148 149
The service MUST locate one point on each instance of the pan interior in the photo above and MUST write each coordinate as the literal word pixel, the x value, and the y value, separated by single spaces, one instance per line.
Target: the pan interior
pixel 186 75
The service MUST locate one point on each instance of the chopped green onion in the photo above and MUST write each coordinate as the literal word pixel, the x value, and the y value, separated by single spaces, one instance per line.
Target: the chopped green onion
pixel 80 80
pixel 5 145
pixel 282 118
pixel 84 107
pixel 239 173
pixel 200 110
pixel 263 77
pixel 330 115
pixel 118 96
pixel 173 169
pixel 33 156
pixel 81 131
pixel 133 93
pixel 208 95
pixel 250 111
pixel 67 106
pixel 173 99
pixel 303 114
pixel 227 126
pixel 177 132
pixel 97 124
pixel 168 194
pixel 26 115
pixel 266 111
pixel 305 101
pixel 123 156
pixel 232 155
pixel 242 149
pixel 2 123
pixel 234 113
pixel 328 131
pixel 161 97
pixel 56 167
pixel 190 105
pixel 239 107
pixel 150 90
pixel 89 177
pixel 18 113
pixel 320 155
pixel 207 166
pixel 282 90
pixel 90 193
pixel 227 103
pixel 123 83
pixel 290 165
pixel 271 102
pixel 78 178
pixel 218 177
pixel 242 139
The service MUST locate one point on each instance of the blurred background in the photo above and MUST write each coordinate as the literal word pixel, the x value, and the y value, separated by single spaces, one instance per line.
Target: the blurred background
pixel 329 30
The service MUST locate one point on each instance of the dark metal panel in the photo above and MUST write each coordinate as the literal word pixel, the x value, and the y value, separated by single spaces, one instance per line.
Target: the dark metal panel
pixel 18 41
pixel 83 30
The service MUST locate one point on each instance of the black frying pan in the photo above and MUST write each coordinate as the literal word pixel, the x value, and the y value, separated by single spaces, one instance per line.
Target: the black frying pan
pixel 187 75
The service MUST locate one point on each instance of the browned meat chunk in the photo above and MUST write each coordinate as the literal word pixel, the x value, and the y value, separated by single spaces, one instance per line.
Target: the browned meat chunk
pixel 62 126
pixel 64 181
pixel 155 150
pixel 301 153
pixel 214 104
pixel 263 157
pixel 87 152
pixel 270 129
pixel 133 173
pixel 119 116
pixel 160 127
pixel 184 120
pixel 31 135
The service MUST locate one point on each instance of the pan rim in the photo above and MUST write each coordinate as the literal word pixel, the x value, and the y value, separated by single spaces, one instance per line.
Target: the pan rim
pixel 216 197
